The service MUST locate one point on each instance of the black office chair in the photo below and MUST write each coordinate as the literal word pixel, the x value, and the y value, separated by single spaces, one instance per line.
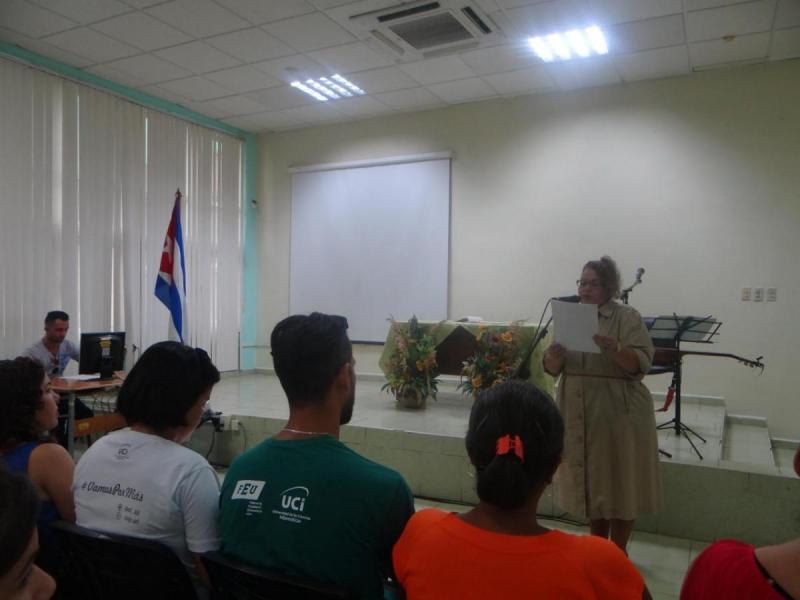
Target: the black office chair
pixel 232 580
pixel 101 566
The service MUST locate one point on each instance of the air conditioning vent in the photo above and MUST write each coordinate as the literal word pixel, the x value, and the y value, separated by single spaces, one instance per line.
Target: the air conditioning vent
pixel 407 12
pixel 417 30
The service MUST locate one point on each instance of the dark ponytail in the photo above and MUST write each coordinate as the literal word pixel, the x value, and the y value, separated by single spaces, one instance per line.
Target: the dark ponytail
pixel 513 408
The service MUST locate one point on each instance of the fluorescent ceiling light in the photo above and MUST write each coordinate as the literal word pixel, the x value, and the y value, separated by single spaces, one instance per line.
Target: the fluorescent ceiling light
pixel 324 89
pixel 570 44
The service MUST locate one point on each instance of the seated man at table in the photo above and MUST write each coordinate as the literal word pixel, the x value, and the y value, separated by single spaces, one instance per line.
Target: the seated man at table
pixel 54 351
pixel 301 502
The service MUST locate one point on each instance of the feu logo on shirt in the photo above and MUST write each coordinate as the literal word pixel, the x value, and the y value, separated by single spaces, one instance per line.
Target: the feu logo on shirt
pixel 247 489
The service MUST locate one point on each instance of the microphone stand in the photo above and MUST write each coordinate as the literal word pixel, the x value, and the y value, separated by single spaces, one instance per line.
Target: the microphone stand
pixel 623 295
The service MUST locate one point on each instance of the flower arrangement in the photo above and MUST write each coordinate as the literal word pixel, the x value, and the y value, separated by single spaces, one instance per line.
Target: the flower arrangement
pixel 495 360
pixel 412 368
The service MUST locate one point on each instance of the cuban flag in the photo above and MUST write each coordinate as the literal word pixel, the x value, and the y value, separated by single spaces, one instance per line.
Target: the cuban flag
pixel 171 280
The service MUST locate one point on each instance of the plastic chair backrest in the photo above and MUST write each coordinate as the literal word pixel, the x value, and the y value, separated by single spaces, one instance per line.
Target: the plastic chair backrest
pixel 100 566
pixel 233 580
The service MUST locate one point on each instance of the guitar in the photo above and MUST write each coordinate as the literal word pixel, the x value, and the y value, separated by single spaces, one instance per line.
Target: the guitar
pixel 666 356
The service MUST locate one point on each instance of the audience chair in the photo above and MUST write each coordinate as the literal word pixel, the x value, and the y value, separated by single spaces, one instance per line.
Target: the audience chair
pixel 102 566
pixel 232 580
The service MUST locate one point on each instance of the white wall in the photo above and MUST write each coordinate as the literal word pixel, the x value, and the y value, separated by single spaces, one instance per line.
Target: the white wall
pixel 695 178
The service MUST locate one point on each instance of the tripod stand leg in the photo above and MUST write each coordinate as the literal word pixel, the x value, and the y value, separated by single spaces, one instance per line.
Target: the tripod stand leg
pixel 691 443
pixel 693 432
pixel 665 453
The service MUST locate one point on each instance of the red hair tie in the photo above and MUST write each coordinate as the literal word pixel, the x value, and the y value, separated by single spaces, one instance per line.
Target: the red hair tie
pixel 507 444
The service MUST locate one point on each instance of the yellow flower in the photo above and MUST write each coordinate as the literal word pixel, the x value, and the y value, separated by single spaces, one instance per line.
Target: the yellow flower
pixel 483 327
pixel 507 337
pixel 420 365
pixel 476 382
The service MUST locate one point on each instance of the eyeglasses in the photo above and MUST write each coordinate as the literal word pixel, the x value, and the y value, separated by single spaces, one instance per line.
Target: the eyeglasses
pixel 593 283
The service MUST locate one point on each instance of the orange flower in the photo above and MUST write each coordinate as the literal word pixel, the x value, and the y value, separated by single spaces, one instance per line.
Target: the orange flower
pixel 476 382
pixel 420 365
pixel 507 337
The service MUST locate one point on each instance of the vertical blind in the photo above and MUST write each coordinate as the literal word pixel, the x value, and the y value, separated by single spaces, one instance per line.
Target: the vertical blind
pixel 87 184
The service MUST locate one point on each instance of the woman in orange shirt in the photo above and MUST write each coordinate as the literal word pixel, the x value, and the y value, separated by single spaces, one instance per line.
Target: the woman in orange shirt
pixel 498 549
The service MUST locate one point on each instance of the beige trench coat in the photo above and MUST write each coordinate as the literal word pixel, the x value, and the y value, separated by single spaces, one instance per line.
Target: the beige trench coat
pixel 610 468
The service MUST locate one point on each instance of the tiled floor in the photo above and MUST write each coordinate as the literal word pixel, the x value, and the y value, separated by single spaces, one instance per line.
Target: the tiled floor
pixel 662 560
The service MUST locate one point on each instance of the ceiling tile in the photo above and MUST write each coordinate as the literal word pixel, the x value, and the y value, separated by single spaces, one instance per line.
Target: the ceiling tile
pixel 382 80
pixel 142 3
pixel 550 17
pixel 409 99
pixel 742 48
pixel 522 81
pixel 85 11
pixel 740 19
pixel 160 92
pixel 243 79
pixel 497 59
pixel 31 20
pixel 198 57
pixel 583 73
pixel 647 34
pixel 251 45
pixel 785 44
pixel 437 70
pixel 259 11
pixel 149 68
pixel 204 109
pixel 703 4
pixel 651 64
pixel 290 68
pixel 309 32
pixel 318 113
pixel 515 3
pixel 326 4
pixel 115 75
pixel 265 121
pixel 198 18
pixel 196 89
pixel 350 57
pixel 363 106
pixel 142 31
pixel 787 14
pixel 463 90
pixel 282 97
pixel 235 105
pixel 621 11
pixel 43 48
pixel 91 44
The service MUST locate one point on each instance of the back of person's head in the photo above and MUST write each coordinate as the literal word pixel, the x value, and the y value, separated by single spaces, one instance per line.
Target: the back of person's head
pixel 19 509
pixel 20 399
pixel 308 351
pixel 55 315
pixel 164 384
pixel 514 440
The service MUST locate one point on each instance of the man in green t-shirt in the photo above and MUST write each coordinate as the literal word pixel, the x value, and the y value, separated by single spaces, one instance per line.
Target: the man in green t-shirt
pixel 302 502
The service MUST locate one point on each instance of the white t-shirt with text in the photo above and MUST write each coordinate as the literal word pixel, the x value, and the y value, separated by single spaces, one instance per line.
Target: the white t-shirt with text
pixel 145 486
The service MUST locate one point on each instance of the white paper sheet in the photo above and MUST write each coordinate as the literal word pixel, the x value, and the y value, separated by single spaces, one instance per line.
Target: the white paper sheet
pixel 574 325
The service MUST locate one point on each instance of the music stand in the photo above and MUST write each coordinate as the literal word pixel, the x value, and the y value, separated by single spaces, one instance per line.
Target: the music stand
pixel 671 331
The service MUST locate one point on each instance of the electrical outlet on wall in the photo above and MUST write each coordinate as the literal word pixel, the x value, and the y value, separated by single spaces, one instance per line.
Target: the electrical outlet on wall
pixel 746 294
pixel 758 294
pixel 772 294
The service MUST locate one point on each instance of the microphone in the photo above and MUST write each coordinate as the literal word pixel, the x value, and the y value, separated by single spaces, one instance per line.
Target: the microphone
pixel 639 273
pixel 574 298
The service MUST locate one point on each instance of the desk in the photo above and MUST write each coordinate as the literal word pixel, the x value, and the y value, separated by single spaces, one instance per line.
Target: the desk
pixel 73 388
pixel 456 332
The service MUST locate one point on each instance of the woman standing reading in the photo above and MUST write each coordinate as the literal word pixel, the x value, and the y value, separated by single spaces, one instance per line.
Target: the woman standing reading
pixel 610 471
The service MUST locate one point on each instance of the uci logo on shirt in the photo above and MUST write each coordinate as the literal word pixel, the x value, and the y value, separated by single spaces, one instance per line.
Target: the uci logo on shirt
pixel 247 489
pixel 296 500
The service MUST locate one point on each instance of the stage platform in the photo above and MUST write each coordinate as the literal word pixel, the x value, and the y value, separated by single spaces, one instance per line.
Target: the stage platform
pixel 743 488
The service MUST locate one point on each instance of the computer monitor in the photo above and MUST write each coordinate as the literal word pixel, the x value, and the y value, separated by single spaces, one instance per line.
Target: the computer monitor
pixel 102 353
